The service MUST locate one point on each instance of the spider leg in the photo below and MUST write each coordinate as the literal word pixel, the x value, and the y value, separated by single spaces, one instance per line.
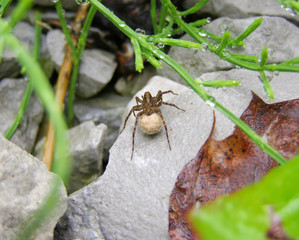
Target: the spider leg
pixel 164 123
pixel 134 131
pixel 133 109
pixel 138 100
pixel 169 91
pixel 173 105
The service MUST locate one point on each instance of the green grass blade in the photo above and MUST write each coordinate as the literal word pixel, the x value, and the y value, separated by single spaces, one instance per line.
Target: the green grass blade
pixel 27 95
pixel 19 12
pixel 75 72
pixel 65 30
pixel 251 28
pixel 138 56
pixel 267 86
pixel 3 5
pixel 154 15
pixel 195 8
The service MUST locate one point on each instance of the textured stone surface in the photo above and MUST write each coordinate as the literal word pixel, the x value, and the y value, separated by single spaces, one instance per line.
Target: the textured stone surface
pixel 25 182
pixel 11 95
pixel 131 87
pixel 86 143
pixel 271 33
pixel 242 8
pixel 130 200
pixel 108 109
pixel 25 33
pixel 97 66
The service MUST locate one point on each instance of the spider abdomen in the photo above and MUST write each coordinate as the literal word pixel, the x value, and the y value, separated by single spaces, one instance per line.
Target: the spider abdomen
pixel 151 124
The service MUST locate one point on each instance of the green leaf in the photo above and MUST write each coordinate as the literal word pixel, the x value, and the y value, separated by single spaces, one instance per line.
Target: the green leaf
pixel 267 86
pixel 246 213
pixel 138 56
pixel 264 57
pixel 254 25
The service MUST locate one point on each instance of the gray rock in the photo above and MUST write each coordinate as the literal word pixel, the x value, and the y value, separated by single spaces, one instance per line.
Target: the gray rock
pixel 243 8
pixel 86 143
pixel 25 33
pixel 131 87
pixel 107 109
pixel 272 33
pixel 25 183
pixel 11 95
pixel 97 66
pixel 130 200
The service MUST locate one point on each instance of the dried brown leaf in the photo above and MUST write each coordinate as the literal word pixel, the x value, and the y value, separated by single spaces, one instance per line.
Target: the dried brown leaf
pixel 222 167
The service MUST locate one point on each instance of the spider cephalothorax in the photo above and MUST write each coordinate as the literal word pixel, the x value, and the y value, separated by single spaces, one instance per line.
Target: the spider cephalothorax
pixel 151 115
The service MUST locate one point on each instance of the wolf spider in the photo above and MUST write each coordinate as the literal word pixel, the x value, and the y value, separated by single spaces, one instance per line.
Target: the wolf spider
pixel 147 106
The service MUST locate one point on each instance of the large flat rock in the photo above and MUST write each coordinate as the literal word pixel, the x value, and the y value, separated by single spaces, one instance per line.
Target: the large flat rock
pixel 130 200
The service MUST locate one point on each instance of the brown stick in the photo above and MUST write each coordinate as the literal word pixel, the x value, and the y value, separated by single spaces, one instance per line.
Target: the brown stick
pixel 62 84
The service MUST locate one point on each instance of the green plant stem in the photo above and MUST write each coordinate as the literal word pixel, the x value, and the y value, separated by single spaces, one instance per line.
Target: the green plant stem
pixel 45 93
pixel 27 95
pixel 3 6
pixel 162 19
pixel 65 30
pixel 154 15
pixel 195 8
pixel 75 72
pixel 19 12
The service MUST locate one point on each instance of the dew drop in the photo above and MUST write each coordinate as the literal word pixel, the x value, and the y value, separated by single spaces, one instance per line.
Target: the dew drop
pixel 223 27
pixel 122 24
pixel 82 2
pixel 208 19
pixel 160 45
pixel 205 47
pixel 270 51
pixel 54 1
pixel 276 73
pixel 161 56
pixel 211 101
pixel 150 39
pixel 193 50
pixel 140 31
pixel 202 34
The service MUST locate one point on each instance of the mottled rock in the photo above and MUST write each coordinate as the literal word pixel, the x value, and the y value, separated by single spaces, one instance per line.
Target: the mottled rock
pixel 131 87
pixel 243 8
pixel 130 200
pixel 11 95
pixel 97 66
pixel 108 109
pixel 86 143
pixel 271 33
pixel 25 183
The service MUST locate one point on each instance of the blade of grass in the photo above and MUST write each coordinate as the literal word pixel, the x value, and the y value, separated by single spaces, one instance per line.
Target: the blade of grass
pixel 154 15
pixel 27 95
pixel 80 48
pixel 195 8
pixel 65 29
pixel 19 12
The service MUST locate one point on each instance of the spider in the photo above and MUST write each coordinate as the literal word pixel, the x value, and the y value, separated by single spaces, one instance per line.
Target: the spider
pixel 150 114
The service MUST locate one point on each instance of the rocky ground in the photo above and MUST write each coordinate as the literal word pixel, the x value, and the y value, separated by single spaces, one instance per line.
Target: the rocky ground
pixel 129 200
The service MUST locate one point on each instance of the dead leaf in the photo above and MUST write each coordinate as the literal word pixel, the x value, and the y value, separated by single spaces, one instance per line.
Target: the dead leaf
pixel 222 167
